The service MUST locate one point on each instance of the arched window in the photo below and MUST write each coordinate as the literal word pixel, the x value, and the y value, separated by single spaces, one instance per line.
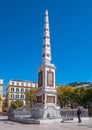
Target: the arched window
pixel 22 96
pixel 17 84
pixel 17 89
pixel 26 89
pixel 22 84
pixel 17 96
pixel 12 96
pixel 22 90
pixel 12 89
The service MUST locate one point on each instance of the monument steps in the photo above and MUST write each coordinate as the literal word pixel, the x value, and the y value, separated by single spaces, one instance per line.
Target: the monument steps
pixel 24 121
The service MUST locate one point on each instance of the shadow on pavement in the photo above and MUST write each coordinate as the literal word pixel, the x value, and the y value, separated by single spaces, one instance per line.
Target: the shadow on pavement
pixel 90 127
pixel 8 122
pixel 3 119
pixel 82 125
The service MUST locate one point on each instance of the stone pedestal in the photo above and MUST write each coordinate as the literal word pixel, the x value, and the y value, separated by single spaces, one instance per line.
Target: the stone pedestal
pixel 46 112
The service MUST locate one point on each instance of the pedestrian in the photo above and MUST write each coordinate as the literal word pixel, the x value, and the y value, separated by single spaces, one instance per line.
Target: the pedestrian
pixel 78 115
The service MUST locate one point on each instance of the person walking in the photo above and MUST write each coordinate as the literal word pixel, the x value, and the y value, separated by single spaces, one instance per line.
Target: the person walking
pixel 78 115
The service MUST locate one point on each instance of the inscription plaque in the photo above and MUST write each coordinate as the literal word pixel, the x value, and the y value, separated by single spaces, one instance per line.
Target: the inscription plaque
pixel 40 78
pixel 50 99
pixel 50 78
pixel 39 99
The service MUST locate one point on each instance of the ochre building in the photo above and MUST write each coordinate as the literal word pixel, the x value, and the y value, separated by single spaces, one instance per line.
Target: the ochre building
pixel 16 90
pixel 1 93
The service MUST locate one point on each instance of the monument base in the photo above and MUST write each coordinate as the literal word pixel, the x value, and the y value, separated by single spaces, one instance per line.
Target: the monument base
pixel 82 118
pixel 46 112
pixel 50 121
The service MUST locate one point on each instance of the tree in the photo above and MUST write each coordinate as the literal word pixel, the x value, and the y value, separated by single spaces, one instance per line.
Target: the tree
pixel 79 94
pixel 30 97
pixel 0 99
pixel 88 97
pixel 15 104
pixel 65 96
pixel 4 106
pixel 73 97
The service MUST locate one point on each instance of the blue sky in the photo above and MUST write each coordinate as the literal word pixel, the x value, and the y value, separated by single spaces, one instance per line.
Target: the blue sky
pixel 21 37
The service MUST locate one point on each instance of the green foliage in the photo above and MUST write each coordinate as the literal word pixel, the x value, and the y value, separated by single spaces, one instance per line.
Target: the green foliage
pixel 88 96
pixel 30 97
pixel 72 97
pixel 0 99
pixel 15 104
pixel 5 108
pixel 65 94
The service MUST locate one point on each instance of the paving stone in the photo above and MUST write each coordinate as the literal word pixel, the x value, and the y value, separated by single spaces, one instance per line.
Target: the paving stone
pixel 67 125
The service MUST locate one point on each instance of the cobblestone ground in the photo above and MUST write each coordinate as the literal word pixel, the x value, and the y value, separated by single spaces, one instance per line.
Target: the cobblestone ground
pixel 70 125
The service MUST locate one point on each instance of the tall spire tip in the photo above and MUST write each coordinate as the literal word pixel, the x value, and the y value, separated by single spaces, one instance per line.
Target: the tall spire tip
pixel 46 12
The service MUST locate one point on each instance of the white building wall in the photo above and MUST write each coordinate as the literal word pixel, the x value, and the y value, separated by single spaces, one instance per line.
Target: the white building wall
pixel 1 81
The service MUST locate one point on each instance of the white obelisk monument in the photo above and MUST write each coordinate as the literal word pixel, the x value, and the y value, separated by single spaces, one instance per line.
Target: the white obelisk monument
pixel 46 103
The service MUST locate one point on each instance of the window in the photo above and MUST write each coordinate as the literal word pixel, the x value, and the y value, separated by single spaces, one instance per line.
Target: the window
pixel 17 89
pixel 12 83
pixel 22 96
pixel 12 96
pixel 35 85
pixel 26 89
pixel 22 84
pixel 22 90
pixel 17 84
pixel 12 89
pixel 17 96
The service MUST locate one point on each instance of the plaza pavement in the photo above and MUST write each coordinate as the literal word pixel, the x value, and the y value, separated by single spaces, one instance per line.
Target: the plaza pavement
pixel 67 125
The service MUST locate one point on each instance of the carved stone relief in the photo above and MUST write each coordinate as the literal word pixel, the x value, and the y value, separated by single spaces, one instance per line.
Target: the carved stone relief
pixel 39 99
pixel 50 78
pixel 40 79
pixel 50 99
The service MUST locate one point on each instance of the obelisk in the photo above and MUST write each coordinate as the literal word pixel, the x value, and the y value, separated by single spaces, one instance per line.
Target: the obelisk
pixel 46 103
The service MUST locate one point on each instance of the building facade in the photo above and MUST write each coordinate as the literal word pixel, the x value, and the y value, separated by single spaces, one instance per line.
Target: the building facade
pixel 16 90
pixel 1 93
